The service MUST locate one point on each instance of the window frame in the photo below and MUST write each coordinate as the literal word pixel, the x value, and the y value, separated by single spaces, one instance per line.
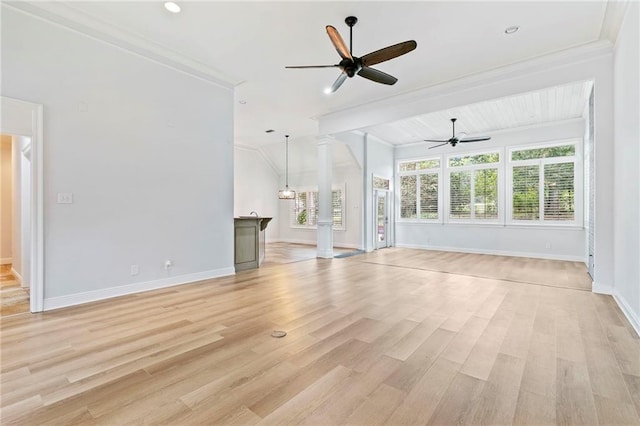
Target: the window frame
pixel 399 174
pixel 498 166
pixel 312 190
pixel 576 159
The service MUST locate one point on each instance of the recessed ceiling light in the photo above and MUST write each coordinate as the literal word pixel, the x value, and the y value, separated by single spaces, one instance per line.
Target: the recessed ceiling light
pixel 327 90
pixel 172 7
pixel 512 29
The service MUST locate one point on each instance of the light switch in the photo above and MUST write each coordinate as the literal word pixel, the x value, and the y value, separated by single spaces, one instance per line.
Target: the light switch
pixel 65 198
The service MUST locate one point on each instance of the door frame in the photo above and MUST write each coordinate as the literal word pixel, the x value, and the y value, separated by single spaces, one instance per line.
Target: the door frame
pixel 26 119
pixel 388 233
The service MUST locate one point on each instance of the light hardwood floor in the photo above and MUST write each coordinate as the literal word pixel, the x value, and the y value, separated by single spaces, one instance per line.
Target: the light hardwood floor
pixel 13 298
pixel 367 343
pixel 291 252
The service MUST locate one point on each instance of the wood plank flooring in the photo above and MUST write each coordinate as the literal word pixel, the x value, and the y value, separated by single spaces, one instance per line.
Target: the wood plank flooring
pixel 280 252
pixel 367 343
pixel 554 273
pixel 13 298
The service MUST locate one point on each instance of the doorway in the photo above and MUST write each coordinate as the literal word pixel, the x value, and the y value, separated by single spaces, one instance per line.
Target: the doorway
pixel 23 121
pixel 15 190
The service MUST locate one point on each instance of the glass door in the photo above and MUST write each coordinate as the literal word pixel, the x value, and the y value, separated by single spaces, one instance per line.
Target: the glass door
pixel 382 219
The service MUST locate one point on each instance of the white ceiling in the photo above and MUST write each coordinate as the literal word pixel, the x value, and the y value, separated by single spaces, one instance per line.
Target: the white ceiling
pixel 248 45
pixel 527 109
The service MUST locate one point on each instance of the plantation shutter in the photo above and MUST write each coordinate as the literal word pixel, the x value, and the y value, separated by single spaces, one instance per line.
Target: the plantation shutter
pixel 526 195
pixel 559 191
pixel 408 197
pixel 460 195
pixel 429 196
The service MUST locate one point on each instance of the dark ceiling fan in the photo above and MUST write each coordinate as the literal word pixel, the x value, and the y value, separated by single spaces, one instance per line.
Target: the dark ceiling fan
pixel 352 65
pixel 455 140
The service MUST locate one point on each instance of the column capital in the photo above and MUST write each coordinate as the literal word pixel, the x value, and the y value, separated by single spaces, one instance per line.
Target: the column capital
pixel 325 140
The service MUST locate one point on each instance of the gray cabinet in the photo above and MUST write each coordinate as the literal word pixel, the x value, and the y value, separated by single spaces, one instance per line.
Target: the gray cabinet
pixel 249 241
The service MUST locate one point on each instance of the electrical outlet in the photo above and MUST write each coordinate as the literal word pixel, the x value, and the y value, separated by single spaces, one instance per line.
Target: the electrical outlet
pixel 134 270
pixel 547 245
pixel 65 198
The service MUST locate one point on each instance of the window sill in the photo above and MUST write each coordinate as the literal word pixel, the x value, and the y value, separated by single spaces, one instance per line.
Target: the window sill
pixel 494 225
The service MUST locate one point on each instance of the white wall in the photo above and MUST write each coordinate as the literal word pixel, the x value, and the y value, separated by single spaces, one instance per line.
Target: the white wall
pixel 543 242
pixel 146 151
pixel 626 284
pixel 349 237
pixel 6 201
pixel 256 188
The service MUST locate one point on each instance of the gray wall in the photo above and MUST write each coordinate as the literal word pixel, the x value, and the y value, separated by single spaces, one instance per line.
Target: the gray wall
pixel 147 152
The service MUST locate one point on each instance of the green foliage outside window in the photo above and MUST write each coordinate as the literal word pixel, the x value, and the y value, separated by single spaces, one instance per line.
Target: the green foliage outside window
pixel 548 152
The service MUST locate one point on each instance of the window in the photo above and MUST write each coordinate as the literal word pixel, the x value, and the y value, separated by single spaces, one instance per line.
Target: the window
pixel 543 184
pixel 419 189
pixel 381 183
pixel 473 187
pixel 304 209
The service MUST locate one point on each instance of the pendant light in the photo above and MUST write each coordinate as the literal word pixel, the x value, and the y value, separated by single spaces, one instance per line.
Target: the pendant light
pixel 286 193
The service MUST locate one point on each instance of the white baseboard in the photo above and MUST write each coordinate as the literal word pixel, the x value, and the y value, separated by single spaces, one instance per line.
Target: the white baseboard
pixel 628 312
pixel 313 243
pixel 17 275
pixel 107 293
pixel 495 252
pixel 601 288
pixel 6 261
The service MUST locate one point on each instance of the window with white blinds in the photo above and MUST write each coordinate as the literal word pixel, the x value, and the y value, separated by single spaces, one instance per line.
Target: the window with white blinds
pixel 473 187
pixel 543 184
pixel 419 189
pixel 304 209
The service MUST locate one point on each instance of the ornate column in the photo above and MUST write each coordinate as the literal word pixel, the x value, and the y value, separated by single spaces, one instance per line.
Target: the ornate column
pixel 325 217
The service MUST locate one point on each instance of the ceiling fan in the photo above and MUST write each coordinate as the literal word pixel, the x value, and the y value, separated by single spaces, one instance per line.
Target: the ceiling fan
pixel 455 140
pixel 352 65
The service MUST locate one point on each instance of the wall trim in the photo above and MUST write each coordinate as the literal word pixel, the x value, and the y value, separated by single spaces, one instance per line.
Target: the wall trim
pixel 123 290
pixel 67 16
pixel 627 311
pixel 18 276
pixel 6 261
pixel 495 252
pixel 600 288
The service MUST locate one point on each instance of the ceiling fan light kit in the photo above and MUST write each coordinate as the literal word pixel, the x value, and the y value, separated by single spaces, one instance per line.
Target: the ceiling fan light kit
pixel 456 139
pixel 286 193
pixel 352 65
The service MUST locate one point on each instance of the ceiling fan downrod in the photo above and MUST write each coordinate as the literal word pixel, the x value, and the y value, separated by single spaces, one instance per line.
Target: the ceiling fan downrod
pixel 351 21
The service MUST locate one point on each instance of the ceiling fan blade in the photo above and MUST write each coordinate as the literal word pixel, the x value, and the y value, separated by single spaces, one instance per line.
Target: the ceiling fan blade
pixel 377 76
pixel 338 43
pixel 312 66
pixel 388 52
pixel 442 144
pixel 478 139
pixel 435 140
pixel 336 85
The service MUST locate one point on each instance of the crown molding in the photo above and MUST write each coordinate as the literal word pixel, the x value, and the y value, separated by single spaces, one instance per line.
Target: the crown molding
pixel 613 17
pixel 65 15
pixel 260 151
